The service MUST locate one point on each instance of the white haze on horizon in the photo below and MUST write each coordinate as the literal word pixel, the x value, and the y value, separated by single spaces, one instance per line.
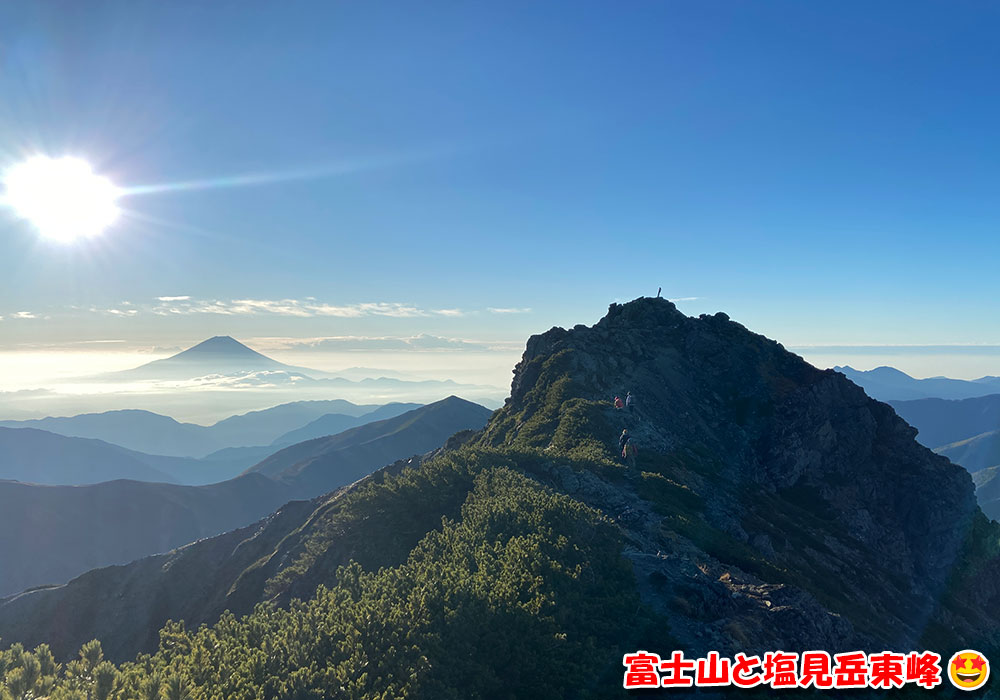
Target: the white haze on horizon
pixel 41 382
pixel 38 383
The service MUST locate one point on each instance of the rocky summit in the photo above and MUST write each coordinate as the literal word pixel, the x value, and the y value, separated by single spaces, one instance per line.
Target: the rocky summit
pixel 774 505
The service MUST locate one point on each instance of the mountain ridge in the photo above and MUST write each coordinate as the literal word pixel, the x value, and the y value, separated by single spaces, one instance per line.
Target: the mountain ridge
pixel 941 422
pixel 157 434
pixel 890 384
pixel 41 457
pixel 136 519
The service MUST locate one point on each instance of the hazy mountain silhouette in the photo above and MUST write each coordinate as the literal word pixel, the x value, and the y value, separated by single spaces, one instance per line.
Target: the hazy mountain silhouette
pixel 40 457
pixel 966 431
pixel 333 423
pixel 139 430
pixel 941 422
pixel 988 490
pixel 219 355
pixel 975 453
pixel 320 465
pixel 153 433
pixel 266 426
pixel 890 384
pixel 74 529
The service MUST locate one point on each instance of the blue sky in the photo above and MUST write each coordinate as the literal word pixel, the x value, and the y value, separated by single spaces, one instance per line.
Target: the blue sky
pixel 826 173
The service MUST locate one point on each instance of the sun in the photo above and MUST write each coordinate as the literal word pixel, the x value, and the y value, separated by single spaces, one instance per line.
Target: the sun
pixel 62 197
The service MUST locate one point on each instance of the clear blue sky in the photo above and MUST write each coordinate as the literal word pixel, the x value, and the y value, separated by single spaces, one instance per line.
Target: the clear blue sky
pixel 826 173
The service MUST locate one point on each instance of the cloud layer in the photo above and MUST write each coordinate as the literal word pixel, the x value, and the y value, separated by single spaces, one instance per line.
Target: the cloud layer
pixel 348 343
pixel 182 304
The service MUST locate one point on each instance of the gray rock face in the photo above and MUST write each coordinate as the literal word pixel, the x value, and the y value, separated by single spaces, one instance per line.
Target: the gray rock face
pixel 780 507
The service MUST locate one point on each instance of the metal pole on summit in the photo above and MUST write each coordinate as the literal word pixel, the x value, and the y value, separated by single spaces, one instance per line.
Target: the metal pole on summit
pixel 658 290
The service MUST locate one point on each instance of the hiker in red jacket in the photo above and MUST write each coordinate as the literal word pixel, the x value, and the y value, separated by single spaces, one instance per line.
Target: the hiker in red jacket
pixel 618 403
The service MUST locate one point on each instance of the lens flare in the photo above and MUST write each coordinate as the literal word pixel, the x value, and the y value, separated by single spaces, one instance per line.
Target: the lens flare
pixel 62 197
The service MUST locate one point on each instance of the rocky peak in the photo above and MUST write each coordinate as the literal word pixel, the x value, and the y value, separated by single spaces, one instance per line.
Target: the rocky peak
pixel 813 486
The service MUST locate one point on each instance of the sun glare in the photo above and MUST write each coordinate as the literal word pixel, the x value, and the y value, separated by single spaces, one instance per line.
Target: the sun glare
pixel 62 197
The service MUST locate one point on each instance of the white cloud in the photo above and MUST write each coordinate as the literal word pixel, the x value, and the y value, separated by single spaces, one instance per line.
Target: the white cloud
pixel 495 310
pixel 394 309
pixel 285 307
pixel 423 342
pixel 303 308
pixel 307 307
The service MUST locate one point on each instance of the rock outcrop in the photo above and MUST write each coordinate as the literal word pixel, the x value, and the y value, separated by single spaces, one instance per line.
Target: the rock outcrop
pixel 778 506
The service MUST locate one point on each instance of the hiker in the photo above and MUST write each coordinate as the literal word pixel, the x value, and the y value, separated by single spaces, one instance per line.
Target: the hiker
pixel 629 452
pixel 622 440
pixel 628 401
pixel 618 403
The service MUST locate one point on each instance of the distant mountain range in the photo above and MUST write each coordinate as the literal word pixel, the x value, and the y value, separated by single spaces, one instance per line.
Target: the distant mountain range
pixel 333 423
pixel 966 431
pixel 987 483
pixel 975 453
pixel 41 457
pixel 76 528
pixel 87 449
pixel 941 422
pixel 320 465
pixel 890 384
pixel 153 433
pixel 84 527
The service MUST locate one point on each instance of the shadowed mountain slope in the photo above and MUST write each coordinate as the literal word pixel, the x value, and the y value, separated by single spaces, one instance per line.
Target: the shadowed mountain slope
pixel 333 423
pixel 988 491
pixel 52 533
pixel 152 433
pixel 319 465
pixel 79 528
pixel 940 422
pixel 132 429
pixel 975 453
pixel 41 457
